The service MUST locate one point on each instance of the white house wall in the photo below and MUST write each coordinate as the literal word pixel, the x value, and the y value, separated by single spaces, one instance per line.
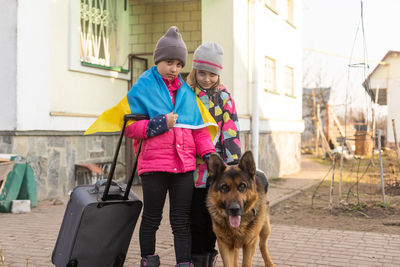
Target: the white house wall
pixel 46 84
pixel 388 76
pixel 380 78
pixel 53 97
pixel 230 30
pixel 281 41
pixel 231 24
pixel 33 65
pixel 393 109
pixel 393 97
pixel 8 64
pixel 218 26
pixel 241 64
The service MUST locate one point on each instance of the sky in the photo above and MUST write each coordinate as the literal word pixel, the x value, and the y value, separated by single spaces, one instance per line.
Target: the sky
pixel 333 39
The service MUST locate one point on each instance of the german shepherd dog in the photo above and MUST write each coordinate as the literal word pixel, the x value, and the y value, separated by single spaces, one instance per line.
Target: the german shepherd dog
pixel 239 210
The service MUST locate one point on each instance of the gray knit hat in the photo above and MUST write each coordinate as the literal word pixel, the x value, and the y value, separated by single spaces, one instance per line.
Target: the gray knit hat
pixel 209 57
pixel 170 46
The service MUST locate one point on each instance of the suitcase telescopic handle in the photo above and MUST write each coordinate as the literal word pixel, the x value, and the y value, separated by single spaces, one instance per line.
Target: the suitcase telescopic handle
pixel 114 162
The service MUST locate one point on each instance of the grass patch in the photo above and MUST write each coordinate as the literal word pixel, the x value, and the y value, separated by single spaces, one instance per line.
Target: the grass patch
pixel 275 180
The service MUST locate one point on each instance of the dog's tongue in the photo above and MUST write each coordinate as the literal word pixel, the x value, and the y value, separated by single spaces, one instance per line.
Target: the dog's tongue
pixel 234 221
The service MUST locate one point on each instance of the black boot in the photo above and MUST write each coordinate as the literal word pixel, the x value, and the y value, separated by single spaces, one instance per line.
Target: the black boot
pixel 200 260
pixel 212 260
pixel 150 261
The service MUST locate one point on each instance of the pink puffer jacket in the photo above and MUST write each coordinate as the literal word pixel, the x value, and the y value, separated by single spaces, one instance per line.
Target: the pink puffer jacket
pixel 173 151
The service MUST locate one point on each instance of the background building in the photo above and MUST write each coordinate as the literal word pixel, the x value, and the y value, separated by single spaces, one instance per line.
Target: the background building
pixel 383 86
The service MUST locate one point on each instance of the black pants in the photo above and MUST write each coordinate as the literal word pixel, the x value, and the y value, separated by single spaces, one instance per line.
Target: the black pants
pixel 155 186
pixel 203 237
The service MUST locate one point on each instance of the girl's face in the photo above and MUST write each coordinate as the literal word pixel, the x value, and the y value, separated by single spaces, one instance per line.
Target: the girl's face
pixel 169 68
pixel 206 79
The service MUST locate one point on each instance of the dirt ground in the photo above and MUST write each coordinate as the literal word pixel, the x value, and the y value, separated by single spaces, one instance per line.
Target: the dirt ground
pixel 361 206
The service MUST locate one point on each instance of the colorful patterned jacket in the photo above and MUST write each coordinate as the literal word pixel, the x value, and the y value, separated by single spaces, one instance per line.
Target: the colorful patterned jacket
pixel 222 107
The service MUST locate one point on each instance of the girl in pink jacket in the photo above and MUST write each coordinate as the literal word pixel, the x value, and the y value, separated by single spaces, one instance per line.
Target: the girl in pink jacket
pixel 168 157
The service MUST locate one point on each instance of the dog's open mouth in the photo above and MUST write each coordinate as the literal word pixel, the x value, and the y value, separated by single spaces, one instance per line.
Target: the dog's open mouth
pixel 234 221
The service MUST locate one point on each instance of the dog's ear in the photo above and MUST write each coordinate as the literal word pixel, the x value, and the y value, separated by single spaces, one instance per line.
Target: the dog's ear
pixel 247 164
pixel 215 166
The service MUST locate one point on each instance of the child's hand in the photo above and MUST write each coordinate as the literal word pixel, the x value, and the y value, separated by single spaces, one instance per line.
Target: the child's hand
pixel 171 119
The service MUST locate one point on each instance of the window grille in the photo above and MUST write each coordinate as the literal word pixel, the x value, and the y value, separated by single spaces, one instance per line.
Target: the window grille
pixel 98 35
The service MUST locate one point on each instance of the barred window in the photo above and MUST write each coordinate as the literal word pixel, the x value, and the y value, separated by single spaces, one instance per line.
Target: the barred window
pixel 98 33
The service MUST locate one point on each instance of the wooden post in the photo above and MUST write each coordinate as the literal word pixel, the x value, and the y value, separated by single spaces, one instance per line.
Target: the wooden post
pixel 395 141
pixel 332 182
pixel 324 141
pixel 341 171
pixel 381 167
pixel 315 124
pixel 327 122
pixel 341 130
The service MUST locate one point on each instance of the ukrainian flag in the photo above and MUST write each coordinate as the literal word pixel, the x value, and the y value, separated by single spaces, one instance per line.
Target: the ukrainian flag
pixel 149 96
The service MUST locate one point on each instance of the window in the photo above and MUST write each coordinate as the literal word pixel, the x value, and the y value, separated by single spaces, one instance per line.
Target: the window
pixel 99 38
pixel 271 4
pixel 290 12
pixel 269 74
pixel 289 81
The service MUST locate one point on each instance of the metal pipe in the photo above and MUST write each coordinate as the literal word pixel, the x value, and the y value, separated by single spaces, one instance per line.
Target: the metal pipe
pixel 256 84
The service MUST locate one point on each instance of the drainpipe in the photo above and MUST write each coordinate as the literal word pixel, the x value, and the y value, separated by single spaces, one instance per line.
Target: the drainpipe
pixel 257 75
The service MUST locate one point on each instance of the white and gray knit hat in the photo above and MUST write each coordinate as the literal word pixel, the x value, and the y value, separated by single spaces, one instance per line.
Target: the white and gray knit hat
pixel 209 57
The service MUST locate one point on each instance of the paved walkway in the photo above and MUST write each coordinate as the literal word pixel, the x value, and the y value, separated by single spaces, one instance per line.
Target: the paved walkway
pixel 31 236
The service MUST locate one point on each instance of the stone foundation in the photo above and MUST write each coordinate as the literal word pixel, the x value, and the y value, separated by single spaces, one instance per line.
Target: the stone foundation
pixel 53 155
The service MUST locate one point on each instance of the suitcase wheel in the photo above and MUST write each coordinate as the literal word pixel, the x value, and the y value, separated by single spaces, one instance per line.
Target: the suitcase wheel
pixel 72 263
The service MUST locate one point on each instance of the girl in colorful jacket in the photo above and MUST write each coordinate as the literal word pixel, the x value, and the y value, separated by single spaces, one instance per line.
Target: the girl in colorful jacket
pixel 168 158
pixel 204 79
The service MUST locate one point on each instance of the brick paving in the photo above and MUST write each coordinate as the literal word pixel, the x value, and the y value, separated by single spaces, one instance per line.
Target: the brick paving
pixel 31 237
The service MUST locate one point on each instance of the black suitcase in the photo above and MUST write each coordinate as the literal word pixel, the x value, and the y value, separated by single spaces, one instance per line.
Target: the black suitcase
pixel 99 221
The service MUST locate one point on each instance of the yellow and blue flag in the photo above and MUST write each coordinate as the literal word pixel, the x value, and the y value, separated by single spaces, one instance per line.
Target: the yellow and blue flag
pixel 150 96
